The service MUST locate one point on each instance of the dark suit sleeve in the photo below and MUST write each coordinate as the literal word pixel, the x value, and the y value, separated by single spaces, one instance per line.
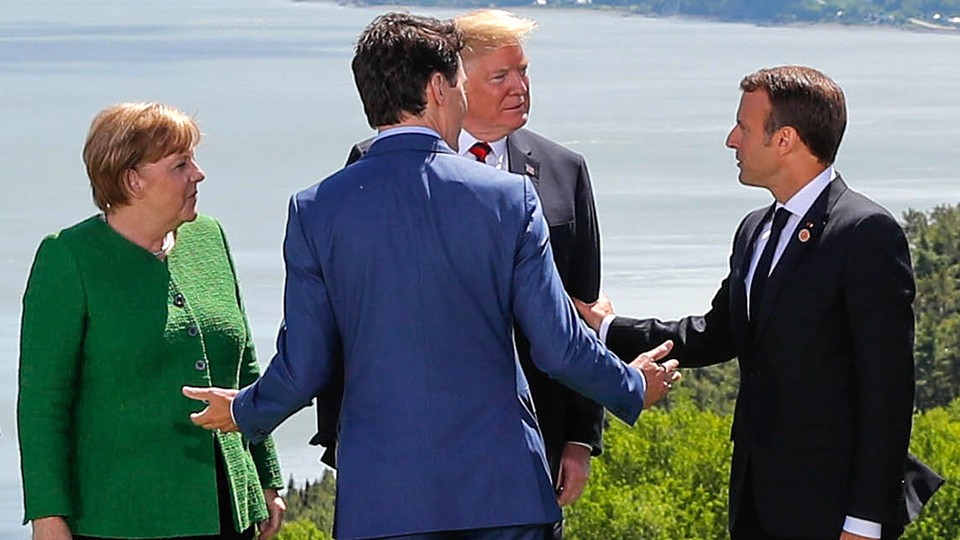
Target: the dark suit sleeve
pixel 585 418
pixel 698 341
pixel 878 294
pixel 328 412
pixel 584 282
pixel 356 152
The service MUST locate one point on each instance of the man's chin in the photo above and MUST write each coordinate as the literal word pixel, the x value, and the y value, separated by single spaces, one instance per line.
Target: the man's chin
pixel 519 119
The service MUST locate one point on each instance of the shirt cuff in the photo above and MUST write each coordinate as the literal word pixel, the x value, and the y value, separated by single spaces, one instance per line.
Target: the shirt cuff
pixel 605 327
pixel 583 444
pixel 233 417
pixel 862 527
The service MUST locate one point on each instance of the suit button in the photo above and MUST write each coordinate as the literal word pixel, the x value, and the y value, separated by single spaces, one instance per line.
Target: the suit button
pixel 200 365
pixel 179 300
pixel 192 330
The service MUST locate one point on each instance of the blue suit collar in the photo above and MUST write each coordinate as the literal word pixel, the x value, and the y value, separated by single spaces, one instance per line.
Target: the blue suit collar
pixel 409 141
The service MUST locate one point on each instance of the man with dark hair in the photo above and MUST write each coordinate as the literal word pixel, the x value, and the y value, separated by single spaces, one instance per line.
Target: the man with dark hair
pixel 817 309
pixel 416 263
pixel 498 88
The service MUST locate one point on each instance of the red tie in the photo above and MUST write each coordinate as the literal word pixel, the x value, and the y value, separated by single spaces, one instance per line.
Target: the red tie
pixel 480 151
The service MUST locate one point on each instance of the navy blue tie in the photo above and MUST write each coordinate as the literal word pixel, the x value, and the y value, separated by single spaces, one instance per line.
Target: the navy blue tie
pixel 762 273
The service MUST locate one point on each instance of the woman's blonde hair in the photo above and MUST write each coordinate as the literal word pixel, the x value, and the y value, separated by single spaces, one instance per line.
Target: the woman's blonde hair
pixel 126 135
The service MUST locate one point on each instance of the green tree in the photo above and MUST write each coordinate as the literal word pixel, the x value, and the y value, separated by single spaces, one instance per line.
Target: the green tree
pixel 712 388
pixel 935 247
pixel 936 440
pixel 664 478
pixel 313 503
pixel 302 529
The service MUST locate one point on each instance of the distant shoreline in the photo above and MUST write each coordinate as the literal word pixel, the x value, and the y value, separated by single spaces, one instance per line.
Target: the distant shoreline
pixel 911 25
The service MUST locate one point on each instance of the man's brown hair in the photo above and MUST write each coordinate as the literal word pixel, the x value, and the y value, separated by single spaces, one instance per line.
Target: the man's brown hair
pixel 806 100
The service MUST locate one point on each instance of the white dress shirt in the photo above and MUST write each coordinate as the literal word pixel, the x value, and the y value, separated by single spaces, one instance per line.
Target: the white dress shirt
pixel 798 206
pixel 496 158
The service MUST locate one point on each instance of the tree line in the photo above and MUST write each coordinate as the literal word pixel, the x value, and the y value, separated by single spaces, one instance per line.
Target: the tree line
pixel 760 11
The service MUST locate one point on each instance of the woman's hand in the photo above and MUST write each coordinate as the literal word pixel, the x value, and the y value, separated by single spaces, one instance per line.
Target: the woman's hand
pixel 276 506
pixel 51 528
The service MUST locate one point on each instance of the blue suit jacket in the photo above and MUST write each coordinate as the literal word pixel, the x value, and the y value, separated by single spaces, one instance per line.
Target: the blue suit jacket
pixel 415 263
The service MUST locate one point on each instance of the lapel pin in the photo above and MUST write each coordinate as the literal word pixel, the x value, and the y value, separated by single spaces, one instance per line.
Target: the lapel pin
pixel 530 169
pixel 803 235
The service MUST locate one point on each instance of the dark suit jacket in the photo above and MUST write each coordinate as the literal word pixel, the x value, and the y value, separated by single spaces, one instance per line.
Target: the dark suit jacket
pixel 827 376
pixel 392 258
pixel 563 185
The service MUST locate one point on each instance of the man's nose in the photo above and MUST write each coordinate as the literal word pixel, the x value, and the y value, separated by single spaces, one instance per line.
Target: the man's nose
pixel 518 83
pixel 731 141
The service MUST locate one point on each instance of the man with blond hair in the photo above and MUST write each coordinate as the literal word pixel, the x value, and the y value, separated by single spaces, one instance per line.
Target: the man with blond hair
pixel 498 91
pixel 387 263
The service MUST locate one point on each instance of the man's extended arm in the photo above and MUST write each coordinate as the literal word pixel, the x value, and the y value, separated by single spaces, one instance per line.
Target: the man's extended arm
pixel 305 345
pixel 560 345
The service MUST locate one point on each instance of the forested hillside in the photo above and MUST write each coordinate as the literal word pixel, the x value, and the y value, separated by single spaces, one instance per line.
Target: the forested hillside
pixel 930 13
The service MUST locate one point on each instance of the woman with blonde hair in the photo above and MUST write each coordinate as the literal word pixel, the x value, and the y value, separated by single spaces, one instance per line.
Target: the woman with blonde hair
pixel 120 311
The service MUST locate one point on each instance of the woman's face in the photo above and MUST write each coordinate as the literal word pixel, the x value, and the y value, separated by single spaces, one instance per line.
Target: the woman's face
pixel 168 187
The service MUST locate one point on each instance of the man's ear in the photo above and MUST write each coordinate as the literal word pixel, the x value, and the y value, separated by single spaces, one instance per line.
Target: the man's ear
pixel 437 88
pixel 786 139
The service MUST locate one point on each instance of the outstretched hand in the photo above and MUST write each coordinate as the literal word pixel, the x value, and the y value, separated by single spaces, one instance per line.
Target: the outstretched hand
pixel 217 415
pixel 659 376
pixel 594 312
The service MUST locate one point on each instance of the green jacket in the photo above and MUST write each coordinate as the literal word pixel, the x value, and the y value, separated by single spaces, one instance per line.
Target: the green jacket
pixel 109 335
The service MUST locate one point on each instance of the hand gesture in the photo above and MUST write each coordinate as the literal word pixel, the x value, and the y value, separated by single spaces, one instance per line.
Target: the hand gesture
pixel 217 415
pixel 658 376
pixel 594 312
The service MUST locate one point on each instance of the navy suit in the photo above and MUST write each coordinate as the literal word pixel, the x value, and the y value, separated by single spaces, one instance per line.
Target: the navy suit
pixel 562 182
pixel 415 263
pixel 823 414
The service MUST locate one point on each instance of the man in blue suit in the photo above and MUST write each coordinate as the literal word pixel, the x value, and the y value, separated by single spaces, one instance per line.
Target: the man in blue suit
pixel 415 263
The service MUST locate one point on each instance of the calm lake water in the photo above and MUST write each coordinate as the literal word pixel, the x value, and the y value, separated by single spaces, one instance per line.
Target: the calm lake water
pixel 649 103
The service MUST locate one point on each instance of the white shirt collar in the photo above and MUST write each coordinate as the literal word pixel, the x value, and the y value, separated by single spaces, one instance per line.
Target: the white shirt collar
pixel 498 147
pixel 802 200
pixel 403 130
